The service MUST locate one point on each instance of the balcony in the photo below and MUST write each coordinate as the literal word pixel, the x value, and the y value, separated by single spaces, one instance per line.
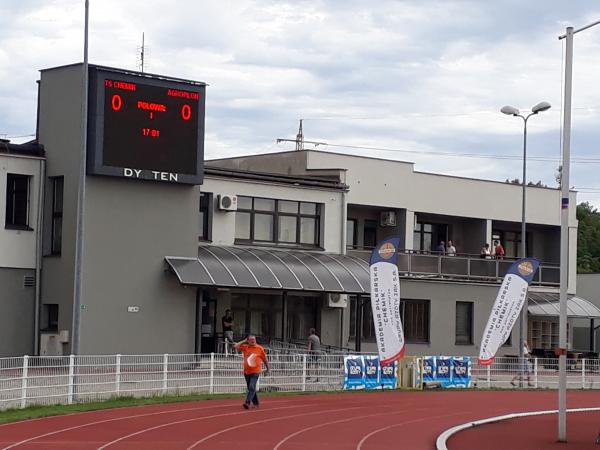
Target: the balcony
pixel 463 267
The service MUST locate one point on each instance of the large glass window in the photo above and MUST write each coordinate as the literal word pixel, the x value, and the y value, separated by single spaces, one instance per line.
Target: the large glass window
pixel 370 234
pixel 279 221
pixel 205 216
pixel 415 319
pixel 17 201
pixel 351 233
pixel 256 314
pixel 58 184
pixel 464 323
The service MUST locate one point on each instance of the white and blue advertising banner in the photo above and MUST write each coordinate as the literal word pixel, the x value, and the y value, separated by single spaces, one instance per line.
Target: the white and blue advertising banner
pixel 372 369
pixel 448 371
pixel 366 372
pixel 385 300
pixel 354 372
pixel 507 307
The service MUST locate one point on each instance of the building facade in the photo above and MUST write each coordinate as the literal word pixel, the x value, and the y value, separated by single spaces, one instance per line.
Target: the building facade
pixel 282 240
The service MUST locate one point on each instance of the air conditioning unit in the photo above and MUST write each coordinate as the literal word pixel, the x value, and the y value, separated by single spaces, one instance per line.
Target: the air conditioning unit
pixel 227 202
pixel 388 219
pixel 337 300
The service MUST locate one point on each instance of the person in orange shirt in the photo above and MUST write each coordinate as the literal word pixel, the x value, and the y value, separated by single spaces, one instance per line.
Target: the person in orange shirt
pixel 254 357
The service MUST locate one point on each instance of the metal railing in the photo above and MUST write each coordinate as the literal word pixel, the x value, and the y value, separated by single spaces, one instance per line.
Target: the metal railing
pixel 49 380
pixel 463 267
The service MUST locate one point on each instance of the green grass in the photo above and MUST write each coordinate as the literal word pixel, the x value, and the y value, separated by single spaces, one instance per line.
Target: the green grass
pixel 35 412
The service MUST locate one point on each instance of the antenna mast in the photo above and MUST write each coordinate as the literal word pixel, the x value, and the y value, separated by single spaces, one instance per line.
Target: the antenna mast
pixel 300 138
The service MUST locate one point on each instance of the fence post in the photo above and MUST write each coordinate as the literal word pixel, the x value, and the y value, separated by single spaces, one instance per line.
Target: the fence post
pixel 211 387
pixel 71 379
pixel 118 375
pixel 24 381
pixel 303 372
pixel 489 376
pixel 165 373
pixel 583 373
pixel 535 372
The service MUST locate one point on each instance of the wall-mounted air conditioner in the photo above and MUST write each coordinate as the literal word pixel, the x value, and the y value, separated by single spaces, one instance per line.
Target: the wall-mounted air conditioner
pixel 337 300
pixel 227 202
pixel 388 219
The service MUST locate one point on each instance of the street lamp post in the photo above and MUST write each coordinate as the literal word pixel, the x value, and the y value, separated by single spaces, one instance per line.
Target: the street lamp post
pixel 512 111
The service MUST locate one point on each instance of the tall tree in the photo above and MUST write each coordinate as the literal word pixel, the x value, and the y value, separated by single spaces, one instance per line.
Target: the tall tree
pixel 588 239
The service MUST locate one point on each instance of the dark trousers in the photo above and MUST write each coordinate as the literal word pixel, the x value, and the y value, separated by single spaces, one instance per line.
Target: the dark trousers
pixel 251 381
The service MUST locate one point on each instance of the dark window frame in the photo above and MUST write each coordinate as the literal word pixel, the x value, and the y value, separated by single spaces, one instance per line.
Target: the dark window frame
pixel 206 206
pixel 464 339
pixel 11 222
pixel 354 243
pixel 427 321
pixel 56 215
pixel 276 214
pixel 373 224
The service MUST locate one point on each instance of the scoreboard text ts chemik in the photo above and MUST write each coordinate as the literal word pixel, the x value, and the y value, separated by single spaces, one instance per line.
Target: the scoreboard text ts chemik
pixel 145 126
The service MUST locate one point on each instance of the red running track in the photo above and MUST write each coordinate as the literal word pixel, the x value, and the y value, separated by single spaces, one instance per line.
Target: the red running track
pixel 358 421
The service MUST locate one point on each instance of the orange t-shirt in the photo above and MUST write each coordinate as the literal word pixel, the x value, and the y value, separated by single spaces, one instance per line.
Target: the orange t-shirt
pixel 254 356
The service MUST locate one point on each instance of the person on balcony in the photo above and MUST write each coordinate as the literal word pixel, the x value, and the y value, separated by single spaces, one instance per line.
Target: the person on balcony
pixel 441 248
pixel 450 249
pixel 485 252
pixel 498 250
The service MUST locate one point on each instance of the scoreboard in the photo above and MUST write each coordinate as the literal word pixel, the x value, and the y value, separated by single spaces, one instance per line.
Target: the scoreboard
pixel 145 127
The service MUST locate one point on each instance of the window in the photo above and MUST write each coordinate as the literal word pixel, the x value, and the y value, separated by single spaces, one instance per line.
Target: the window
pixel 205 216
pixel 278 221
pixel 257 314
pixel 351 233
pixel 58 184
pixel 17 201
pixel 464 323
pixel 415 319
pixel 370 234
pixel 50 317
pixel 512 243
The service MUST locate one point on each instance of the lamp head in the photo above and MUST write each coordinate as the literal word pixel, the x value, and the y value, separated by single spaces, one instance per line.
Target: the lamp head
pixel 509 110
pixel 542 106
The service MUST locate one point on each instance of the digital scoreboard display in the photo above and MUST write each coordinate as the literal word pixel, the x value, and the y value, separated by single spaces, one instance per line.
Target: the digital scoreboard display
pixel 145 127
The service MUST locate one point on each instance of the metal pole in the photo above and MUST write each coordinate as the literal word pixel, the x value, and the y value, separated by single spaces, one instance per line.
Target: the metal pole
pixel 523 316
pixel 79 239
pixel 564 240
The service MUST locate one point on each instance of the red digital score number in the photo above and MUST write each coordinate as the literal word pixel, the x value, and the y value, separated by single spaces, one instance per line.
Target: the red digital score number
pixel 116 102
pixel 186 112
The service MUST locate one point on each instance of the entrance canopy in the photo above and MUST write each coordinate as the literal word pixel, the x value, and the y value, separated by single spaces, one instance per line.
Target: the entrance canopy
pixel 547 304
pixel 288 270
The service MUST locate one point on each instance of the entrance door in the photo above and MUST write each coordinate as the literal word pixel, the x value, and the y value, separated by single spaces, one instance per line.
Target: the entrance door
pixel 208 326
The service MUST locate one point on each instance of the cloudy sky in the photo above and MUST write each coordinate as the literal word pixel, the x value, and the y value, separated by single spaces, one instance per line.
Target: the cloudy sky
pixel 420 79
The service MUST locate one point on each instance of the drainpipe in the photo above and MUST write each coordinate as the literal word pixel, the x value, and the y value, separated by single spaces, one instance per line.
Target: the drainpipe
pixel 343 252
pixel 38 259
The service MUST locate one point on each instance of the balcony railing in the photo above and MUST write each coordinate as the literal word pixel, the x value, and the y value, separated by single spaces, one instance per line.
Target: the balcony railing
pixel 463 267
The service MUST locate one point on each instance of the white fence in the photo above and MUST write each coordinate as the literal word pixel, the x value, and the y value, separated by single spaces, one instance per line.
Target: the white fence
pixel 28 380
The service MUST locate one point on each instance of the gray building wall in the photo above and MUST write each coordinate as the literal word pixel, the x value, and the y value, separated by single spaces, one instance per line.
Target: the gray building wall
pixel 443 298
pixel 130 227
pixel 16 320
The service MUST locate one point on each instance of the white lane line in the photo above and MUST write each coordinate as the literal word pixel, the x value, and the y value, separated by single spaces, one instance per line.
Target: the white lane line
pixel 210 436
pixel 303 430
pixel 168 424
pixel 440 443
pixel 367 436
pixel 113 419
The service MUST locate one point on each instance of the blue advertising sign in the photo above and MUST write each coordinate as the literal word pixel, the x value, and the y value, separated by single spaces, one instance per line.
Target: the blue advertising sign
pixel 372 372
pixel 366 372
pixel 447 371
pixel 354 372
pixel 389 376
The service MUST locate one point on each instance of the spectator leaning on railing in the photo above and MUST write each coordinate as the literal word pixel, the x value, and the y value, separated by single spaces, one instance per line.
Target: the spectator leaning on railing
pixel 450 249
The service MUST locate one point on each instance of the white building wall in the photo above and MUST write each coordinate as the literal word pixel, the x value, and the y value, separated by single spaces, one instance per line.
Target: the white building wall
pixel 18 247
pixel 223 224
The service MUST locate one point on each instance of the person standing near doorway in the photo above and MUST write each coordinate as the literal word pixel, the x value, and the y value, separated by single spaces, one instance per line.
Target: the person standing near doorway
pixel 450 249
pixel 254 357
pixel 227 323
pixel 314 353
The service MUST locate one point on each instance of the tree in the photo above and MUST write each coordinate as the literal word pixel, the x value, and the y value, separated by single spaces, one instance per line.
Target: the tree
pixel 588 239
